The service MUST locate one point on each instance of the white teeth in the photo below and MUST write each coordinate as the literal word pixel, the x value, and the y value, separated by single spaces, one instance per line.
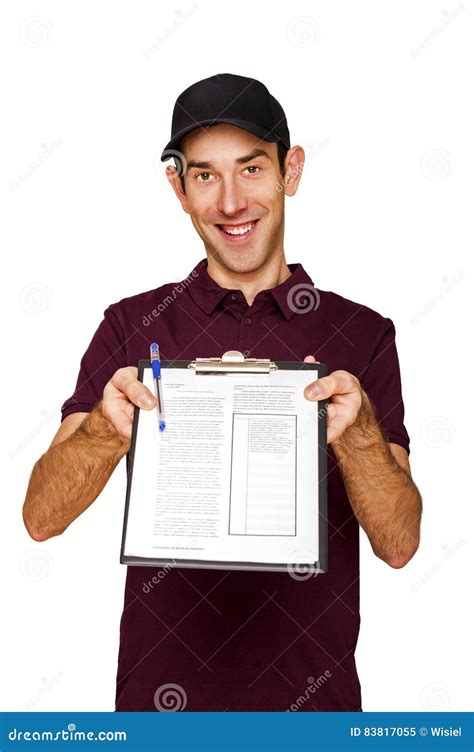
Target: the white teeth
pixel 238 230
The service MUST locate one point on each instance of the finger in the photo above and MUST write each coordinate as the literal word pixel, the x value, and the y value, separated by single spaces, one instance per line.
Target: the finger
pixel 332 411
pixel 126 381
pixel 124 429
pixel 338 382
pixel 335 429
pixel 310 359
pixel 310 390
pixel 119 419
pixel 129 410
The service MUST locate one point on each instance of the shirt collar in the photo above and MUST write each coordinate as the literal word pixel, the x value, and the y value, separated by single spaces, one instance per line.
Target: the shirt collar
pixel 289 295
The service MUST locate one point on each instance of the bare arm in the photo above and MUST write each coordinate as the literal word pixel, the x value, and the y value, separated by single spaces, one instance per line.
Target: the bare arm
pixel 82 457
pixel 376 474
pixel 378 482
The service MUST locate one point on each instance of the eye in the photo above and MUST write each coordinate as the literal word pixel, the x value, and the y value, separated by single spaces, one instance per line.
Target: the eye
pixel 205 175
pixel 253 167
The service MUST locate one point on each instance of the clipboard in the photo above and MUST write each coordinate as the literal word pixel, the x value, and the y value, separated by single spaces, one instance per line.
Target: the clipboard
pixel 234 362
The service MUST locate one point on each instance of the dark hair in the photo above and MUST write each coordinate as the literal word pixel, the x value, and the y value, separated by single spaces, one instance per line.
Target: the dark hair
pixel 282 152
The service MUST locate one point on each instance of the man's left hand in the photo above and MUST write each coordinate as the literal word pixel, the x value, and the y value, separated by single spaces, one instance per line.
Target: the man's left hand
pixel 344 392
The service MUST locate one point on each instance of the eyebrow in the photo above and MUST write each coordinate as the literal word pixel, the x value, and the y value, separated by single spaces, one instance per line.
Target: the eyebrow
pixel 241 160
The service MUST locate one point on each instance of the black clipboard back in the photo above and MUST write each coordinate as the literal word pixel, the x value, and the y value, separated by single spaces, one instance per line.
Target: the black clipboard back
pixel 231 362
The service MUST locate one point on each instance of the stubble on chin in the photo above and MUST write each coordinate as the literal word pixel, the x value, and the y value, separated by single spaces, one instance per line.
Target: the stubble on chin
pixel 241 261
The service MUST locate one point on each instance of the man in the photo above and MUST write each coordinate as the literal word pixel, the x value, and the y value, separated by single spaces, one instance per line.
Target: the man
pixel 234 640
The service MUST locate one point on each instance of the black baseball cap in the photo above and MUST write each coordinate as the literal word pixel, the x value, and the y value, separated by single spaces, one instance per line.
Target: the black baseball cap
pixel 227 98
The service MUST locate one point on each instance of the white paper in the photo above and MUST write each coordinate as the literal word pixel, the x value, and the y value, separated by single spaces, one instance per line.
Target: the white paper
pixel 234 475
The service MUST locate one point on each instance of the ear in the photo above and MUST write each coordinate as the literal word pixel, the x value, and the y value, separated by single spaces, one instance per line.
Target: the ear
pixel 174 179
pixel 294 163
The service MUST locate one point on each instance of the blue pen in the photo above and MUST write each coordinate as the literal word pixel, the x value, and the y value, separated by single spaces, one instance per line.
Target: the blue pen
pixel 156 368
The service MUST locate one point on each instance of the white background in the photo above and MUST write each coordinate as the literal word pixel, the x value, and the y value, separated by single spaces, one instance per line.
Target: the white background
pixel 379 95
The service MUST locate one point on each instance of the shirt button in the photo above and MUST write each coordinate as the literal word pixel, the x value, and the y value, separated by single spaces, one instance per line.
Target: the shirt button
pixel 246 353
pixel 233 296
pixel 248 321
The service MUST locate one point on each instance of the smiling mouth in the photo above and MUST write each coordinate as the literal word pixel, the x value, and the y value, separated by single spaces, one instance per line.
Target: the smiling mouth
pixel 237 232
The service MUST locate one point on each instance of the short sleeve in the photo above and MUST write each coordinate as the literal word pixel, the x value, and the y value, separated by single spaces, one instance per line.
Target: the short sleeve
pixel 381 380
pixel 105 355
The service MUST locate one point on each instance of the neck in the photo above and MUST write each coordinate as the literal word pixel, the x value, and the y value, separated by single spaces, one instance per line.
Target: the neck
pixel 271 274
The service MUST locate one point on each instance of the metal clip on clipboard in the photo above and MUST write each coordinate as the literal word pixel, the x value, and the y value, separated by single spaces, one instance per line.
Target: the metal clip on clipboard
pixel 232 361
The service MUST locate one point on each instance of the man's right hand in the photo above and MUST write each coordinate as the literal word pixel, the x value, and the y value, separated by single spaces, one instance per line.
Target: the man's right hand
pixel 120 396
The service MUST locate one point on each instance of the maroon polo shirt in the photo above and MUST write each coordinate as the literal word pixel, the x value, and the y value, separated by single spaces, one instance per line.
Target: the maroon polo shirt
pixel 232 640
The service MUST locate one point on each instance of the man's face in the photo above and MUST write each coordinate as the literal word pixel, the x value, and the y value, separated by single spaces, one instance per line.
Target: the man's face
pixel 234 196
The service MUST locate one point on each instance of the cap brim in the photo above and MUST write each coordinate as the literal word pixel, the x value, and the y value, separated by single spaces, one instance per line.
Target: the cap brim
pixel 171 148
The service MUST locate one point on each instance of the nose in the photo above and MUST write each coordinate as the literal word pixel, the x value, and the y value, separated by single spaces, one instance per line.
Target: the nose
pixel 232 199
